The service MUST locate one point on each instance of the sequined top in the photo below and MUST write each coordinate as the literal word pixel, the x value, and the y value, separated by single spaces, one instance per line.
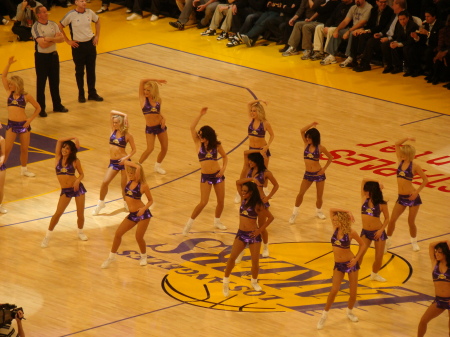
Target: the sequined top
pixel 134 193
pixel 259 132
pixel 405 174
pixel 120 142
pixel 19 102
pixel 438 276
pixel 68 170
pixel 203 154
pixel 149 109
pixel 247 212
pixel 341 243
pixel 259 177
pixel 374 211
pixel 315 155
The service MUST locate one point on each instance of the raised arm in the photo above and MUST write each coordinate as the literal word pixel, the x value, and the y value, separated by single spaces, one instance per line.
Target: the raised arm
pixel 118 113
pixel 399 144
pixel 432 248
pixel 251 103
pixel 141 88
pixel 306 128
pixel 136 166
pixel 334 210
pixel 194 123
pixel 5 73
pixel 60 141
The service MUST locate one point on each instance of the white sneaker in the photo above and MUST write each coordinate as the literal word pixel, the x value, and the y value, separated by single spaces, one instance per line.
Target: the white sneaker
pixel 97 208
pixel 128 11
pixel 107 262
pixel 219 225
pixel 290 51
pixel 292 218
pixel 328 60
pixel 154 18
pixel 320 215
pixel 103 9
pixel 237 198
pixel 306 55
pixel 82 236
pixel 44 243
pixel 226 289
pixel 143 261
pixel 415 246
pixel 321 322
pixel 186 229
pixel 351 316
pixel 347 61
pixel 256 286
pixel 376 277
pixel 3 210
pixel 134 16
pixel 265 252
pixel 4 21
pixel 240 256
pixel 27 173
pixel 159 169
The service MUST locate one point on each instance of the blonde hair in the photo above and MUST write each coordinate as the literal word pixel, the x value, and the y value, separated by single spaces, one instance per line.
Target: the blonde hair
pixel 122 128
pixel 409 151
pixel 141 173
pixel 18 82
pixel 344 222
pixel 260 110
pixel 154 90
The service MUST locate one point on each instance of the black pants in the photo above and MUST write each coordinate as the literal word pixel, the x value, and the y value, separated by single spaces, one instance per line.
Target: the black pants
pixel 392 57
pixel 47 66
pixel 84 57
pixel 23 32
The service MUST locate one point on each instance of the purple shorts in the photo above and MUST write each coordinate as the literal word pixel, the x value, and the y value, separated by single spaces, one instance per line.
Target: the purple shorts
pixel 3 167
pixel 268 154
pixel 245 237
pixel 312 176
pixel 114 163
pixel 135 218
pixel 342 267
pixel 211 178
pixel 70 193
pixel 403 199
pixel 155 130
pixel 442 302
pixel 17 127
pixel 371 235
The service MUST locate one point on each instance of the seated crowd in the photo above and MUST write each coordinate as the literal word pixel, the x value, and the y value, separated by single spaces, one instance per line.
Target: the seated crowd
pixel 409 36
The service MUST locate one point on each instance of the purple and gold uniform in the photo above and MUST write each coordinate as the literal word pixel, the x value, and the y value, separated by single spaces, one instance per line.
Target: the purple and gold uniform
pixel 314 177
pixel 250 213
pixel 308 155
pixel 135 218
pixel 148 109
pixel 405 174
pixel 342 267
pixel 114 163
pixel 374 211
pixel 20 102
pixel 260 132
pixel 134 193
pixel 17 127
pixel 343 243
pixel 69 170
pixel 442 302
pixel 211 178
pixel 438 276
pixel 403 199
pixel 120 142
pixel 70 192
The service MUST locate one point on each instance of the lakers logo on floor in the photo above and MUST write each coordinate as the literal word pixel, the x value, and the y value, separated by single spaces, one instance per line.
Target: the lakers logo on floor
pixel 296 277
